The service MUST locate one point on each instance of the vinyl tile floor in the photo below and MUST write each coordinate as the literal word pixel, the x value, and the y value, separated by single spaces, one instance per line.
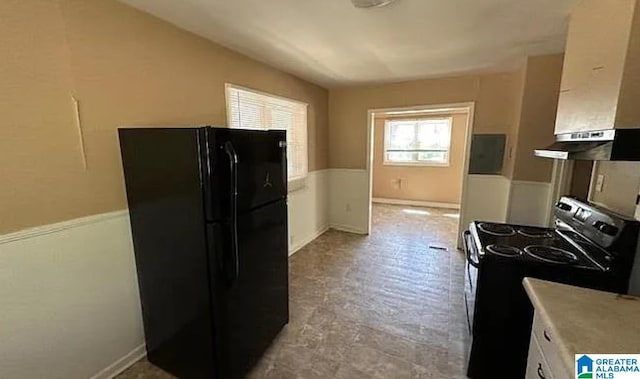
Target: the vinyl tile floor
pixel 387 305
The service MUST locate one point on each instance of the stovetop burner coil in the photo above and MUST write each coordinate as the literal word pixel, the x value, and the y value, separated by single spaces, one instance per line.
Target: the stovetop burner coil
pixel 504 250
pixel 497 229
pixel 535 232
pixel 551 254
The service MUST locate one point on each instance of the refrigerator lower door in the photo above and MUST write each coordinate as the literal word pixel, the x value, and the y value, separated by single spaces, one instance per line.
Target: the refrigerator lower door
pixel 253 306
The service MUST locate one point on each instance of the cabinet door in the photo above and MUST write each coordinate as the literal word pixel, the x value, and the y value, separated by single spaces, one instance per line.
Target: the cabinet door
pixel 569 111
pixel 595 55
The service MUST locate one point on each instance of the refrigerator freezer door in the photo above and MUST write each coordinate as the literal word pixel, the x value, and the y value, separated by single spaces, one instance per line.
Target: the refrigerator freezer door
pixel 255 306
pixel 261 168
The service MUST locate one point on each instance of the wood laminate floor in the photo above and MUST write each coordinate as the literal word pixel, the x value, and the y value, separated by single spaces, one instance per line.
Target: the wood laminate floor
pixel 388 305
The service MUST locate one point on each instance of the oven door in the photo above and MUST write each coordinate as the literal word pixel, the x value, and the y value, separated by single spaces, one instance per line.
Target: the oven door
pixel 471 277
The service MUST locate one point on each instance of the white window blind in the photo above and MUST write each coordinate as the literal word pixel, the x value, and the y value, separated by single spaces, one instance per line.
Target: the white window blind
pixel 255 110
pixel 424 142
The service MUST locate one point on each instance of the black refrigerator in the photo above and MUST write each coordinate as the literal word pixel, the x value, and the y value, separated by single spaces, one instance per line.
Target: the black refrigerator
pixel 208 210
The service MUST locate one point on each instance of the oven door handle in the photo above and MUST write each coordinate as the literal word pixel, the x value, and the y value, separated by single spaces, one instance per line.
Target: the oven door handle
pixel 465 241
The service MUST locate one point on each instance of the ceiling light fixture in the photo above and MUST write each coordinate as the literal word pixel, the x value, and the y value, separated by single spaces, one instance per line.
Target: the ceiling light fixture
pixel 371 3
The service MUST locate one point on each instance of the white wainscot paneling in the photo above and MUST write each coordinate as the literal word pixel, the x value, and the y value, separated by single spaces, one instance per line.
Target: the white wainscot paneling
pixel 69 294
pixel 308 210
pixel 529 203
pixel 487 198
pixel 69 299
pixel 349 205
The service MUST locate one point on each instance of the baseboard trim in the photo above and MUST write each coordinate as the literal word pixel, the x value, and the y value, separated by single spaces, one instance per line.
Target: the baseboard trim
pixel 122 364
pixel 60 226
pixel 353 170
pixel 347 228
pixel 416 203
pixel 308 240
pixel 530 183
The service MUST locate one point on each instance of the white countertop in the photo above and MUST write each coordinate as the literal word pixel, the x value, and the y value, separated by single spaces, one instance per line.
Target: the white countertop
pixel 585 320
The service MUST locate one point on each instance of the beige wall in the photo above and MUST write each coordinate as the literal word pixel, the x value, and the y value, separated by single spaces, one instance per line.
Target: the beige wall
pixel 581 179
pixel 537 117
pixel 422 183
pixel 621 186
pixel 495 95
pixel 521 104
pixel 125 68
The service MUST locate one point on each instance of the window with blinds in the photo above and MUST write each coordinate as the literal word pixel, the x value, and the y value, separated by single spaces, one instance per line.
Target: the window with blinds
pixel 423 142
pixel 249 109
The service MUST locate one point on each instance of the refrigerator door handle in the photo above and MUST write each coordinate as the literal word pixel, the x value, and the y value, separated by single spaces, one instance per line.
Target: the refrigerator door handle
pixel 285 180
pixel 233 201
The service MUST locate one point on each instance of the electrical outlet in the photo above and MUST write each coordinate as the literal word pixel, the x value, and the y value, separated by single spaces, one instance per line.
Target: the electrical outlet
pixel 600 183
pixel 347 207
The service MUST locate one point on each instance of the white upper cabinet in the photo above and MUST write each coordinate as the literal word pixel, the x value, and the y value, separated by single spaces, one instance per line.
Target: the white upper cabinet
pixel 601 74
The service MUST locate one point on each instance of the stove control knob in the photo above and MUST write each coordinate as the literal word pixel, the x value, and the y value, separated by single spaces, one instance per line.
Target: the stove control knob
pixel 605 228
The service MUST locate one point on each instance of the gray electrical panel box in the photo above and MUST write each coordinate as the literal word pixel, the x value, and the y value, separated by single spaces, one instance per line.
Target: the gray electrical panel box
pixel 487 153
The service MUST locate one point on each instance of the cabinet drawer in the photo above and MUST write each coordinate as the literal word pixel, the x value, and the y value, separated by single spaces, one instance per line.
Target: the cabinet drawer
pixel 537 367
pixel 549 348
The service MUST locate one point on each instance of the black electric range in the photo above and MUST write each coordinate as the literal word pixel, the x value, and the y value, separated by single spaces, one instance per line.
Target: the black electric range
pixel 589 247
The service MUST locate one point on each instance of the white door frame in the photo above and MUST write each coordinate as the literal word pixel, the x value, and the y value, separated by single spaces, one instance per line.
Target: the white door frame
pixel 469 107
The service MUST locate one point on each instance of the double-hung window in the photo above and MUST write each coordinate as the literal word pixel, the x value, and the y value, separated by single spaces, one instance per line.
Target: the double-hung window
pixel 248 109
pixel 421 142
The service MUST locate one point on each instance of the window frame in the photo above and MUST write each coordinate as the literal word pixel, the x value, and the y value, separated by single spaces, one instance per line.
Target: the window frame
pixel 294 183
pixel 386 138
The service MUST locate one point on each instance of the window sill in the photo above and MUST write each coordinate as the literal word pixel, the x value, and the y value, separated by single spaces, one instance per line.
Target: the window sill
pixel 412 164
pixel 297 184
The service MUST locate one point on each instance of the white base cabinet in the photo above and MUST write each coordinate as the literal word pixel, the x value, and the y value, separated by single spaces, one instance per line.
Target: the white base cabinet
pixel 537 366
pixel 544 357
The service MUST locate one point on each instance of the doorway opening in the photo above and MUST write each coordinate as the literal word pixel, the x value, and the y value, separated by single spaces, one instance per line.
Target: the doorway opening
pixel 418 162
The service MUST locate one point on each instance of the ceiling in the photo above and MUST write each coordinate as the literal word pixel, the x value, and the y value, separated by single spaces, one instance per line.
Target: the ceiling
pixel 331 43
